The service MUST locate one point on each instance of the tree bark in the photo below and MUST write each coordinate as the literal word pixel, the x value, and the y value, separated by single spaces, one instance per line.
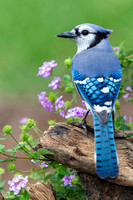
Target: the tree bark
pixel 73 148
pixel 40 191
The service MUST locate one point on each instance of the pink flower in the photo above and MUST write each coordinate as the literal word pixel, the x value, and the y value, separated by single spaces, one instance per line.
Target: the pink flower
pixel 55 83
pixel 44 101
pixel 43 164
pixel 76 112
pixel 83 103
pixel 116 49
pixel 67 179
pixel 125 119
pixel 131 119
pixel 23 120
pixel 126 96
pixel 59 103
pixel 46 69
pixel 128 88
pixel 17 183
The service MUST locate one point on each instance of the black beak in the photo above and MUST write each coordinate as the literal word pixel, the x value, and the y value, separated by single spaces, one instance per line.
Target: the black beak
pixel 67 34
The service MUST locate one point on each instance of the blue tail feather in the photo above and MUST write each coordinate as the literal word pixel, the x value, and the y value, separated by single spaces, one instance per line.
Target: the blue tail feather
pixel 106 156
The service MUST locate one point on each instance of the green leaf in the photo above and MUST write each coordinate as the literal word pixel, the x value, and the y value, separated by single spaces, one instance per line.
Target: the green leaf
pixel 2 171
pixel 68 89
pixel 68 104
pixel 26 195
pixel 35 155
pixel 63 170
pixel 51 122
pixel 131 135
pixel 2 146
pixel 2 138
pixel 8 160
pixel 11 150
pixel 11 167
pixel 42 151
pixel 120 124
pixel 52 97
pixel 19 146
pixel 131 99
pixel 74 94
pixel 47 176
pixel 126 127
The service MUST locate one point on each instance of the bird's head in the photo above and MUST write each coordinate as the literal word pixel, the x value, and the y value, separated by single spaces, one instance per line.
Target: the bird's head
pixel 86 35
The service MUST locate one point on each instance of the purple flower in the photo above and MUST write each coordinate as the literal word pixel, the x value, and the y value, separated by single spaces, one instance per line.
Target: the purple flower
pixel 116 49
pixel 43 164
pixel 76 112
pixel 62 112
pixel 17 183
pixel 59 103
pixel 128 88
pixel 46 69
pixel 125 119
pixel 45 102
pixel 23 120
pixel 55 83
pixel 83 103
pixel 126 96
pixel 67 180
pixel 131 119
pixel 35 162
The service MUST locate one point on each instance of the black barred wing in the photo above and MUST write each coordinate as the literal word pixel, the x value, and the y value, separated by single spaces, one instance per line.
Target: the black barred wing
pixel 113 82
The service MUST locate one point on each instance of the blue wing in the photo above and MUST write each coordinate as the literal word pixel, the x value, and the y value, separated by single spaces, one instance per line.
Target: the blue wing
pixel 99 92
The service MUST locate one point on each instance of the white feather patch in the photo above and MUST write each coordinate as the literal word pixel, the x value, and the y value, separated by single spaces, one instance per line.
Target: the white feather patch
pixel 105 90
pixel 98 108
pixel 117 80
pixel 111 78
pixel 108 103
pixel 100 79
pixel 82 82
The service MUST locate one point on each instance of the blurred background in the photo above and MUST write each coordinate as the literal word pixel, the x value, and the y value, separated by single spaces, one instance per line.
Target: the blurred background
pixel 28 32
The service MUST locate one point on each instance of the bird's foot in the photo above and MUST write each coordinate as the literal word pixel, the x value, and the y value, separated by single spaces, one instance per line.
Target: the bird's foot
pixel 83 124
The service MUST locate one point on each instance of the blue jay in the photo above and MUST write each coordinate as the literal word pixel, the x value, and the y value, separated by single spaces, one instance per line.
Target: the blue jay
pixel 96 73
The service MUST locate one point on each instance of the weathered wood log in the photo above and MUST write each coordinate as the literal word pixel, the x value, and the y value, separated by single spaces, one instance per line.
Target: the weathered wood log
pixel 1 197
pixel 73 148
pixel 40 191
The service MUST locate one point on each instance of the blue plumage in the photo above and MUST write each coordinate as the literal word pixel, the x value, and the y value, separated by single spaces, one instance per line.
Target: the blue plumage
pixel 96 72
pixel 106 156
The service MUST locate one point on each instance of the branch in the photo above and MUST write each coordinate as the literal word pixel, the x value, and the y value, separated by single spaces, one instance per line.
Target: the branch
pixel 71 147
pixel 40 191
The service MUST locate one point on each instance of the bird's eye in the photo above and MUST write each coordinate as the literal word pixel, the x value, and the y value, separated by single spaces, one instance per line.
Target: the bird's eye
pixel 85 32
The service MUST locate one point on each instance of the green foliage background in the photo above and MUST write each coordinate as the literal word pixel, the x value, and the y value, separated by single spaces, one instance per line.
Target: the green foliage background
pixel 28 31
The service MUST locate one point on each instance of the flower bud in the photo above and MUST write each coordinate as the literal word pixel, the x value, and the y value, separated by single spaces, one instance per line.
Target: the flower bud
pixel 117 105
pixel 24 136
pixel 68 62
pixel 11 167
pixel 52 97
pixel 25 128
pixel 74 181
pixel 68 89
pixel 68 104
pixel 7 130
pixel 2 171
pixel 30 123
pixel 51 122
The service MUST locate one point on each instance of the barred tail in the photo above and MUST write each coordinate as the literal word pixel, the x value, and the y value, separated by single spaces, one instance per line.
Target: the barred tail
pixel 106 156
